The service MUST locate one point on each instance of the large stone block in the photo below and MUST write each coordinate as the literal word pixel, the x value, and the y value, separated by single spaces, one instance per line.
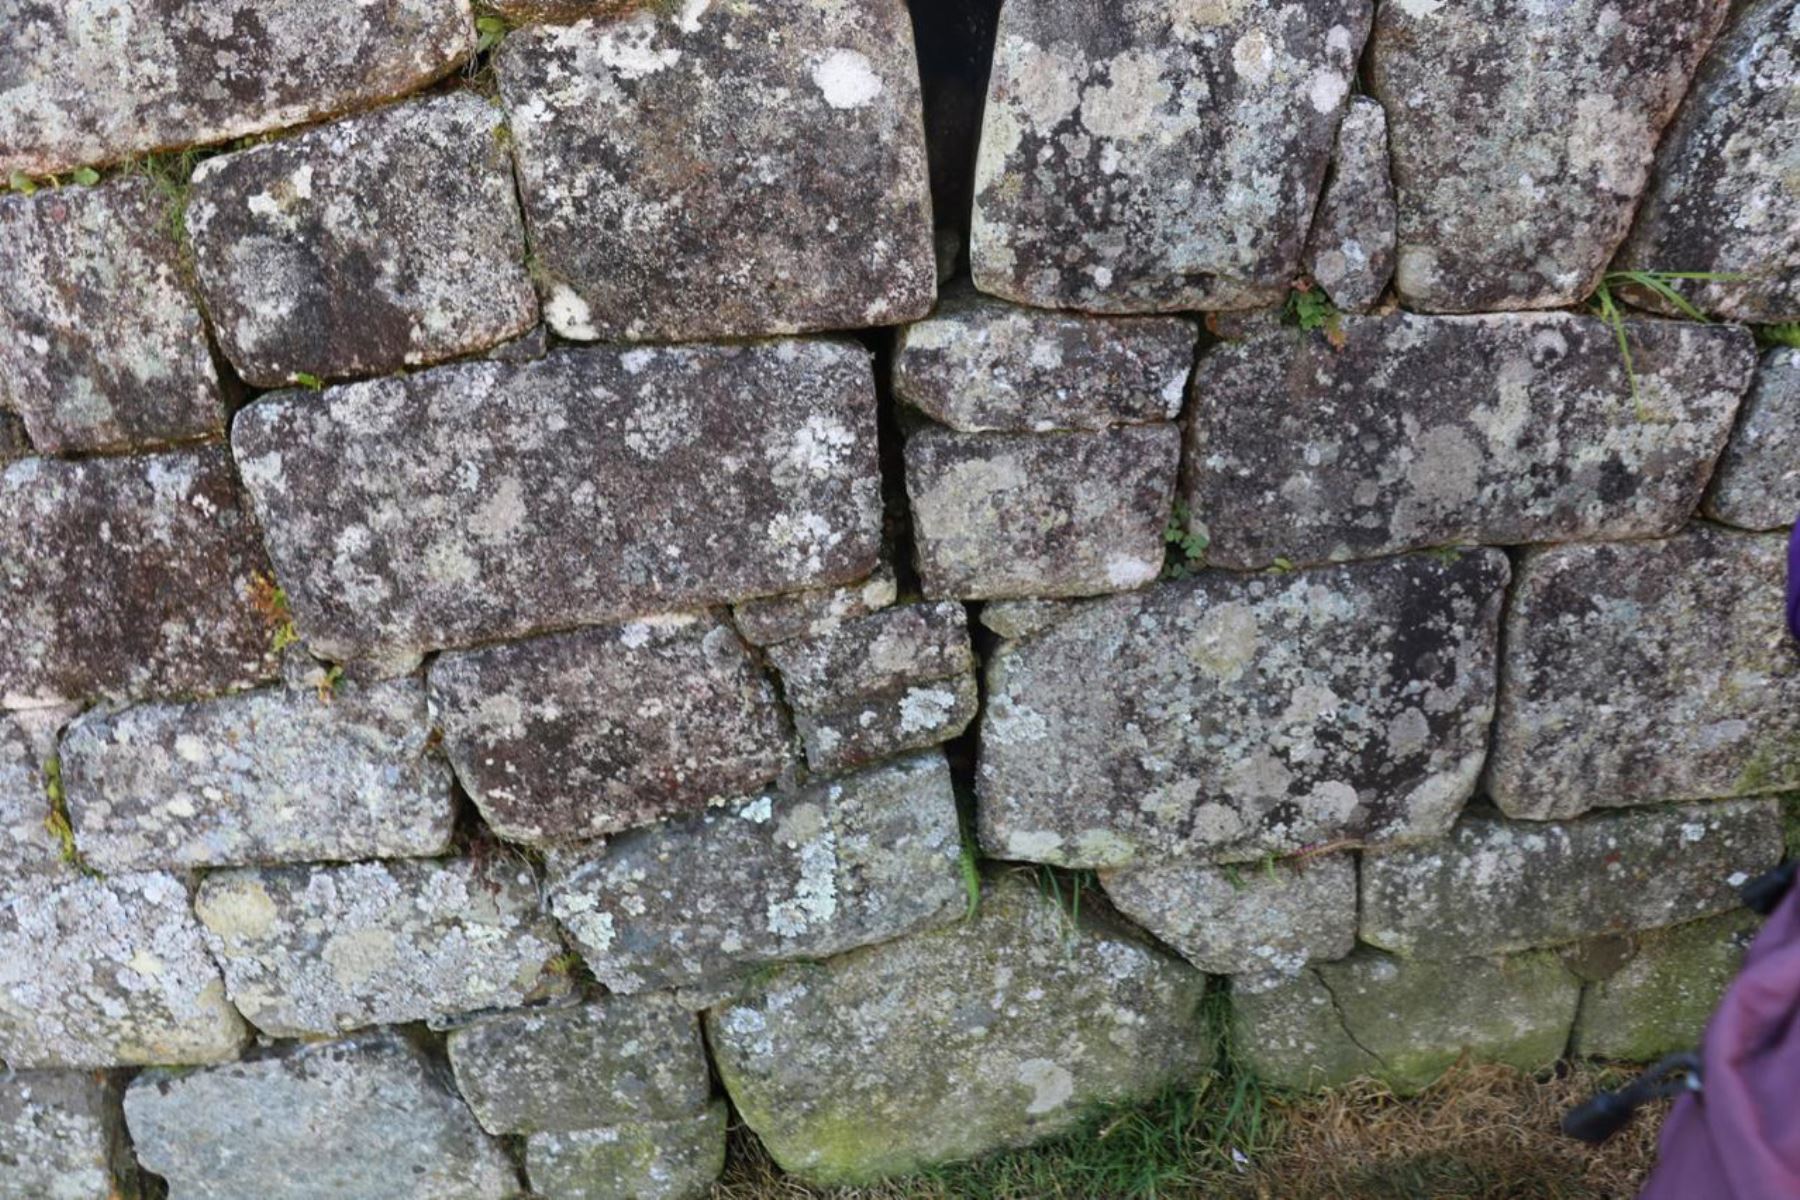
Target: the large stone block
pixel 27 847
pixel 1350 251
pixel 62 1137
pixel 585 733
pixel 1157 155
pixel 1757 485
pixel 1429 431
pixel 724 170
pixel 487 500
pixel 1522 136
pixel 1659 1000
pixel 1642 672
pixel 1245 714
pixel 654 1160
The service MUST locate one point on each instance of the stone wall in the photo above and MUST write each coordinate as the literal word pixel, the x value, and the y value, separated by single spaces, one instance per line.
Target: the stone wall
pixel 550 603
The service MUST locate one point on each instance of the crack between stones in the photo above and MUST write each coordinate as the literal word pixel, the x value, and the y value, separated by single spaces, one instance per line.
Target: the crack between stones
pixel 1343 1022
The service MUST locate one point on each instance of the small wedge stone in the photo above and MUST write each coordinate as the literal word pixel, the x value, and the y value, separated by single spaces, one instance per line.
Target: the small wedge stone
pixel 28 850
pixel 62 1137
pixel 772 619
pixel 1350 251
pixel 1757 485
pixel 657 1160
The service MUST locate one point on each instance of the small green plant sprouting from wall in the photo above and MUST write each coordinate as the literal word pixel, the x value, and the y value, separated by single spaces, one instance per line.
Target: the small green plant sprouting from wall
pixel 19 181
pixel 1312 310
pixel 1787 334
pixel 271 603
pixel 1186 544
pixel 57 822
pixel 1661 283
pixel 971 873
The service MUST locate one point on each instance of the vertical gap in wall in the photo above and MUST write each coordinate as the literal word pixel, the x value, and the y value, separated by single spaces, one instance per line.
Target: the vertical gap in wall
pixel 955 40
pixel 896 514
pixel 1480 801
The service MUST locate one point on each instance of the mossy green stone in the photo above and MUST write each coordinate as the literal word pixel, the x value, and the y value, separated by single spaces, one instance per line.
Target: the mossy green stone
pixel 1659 1001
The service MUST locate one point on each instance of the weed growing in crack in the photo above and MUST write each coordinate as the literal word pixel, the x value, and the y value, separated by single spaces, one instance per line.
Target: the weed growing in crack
pixel 1660 283
pixel 1312 310
pixel 1186 541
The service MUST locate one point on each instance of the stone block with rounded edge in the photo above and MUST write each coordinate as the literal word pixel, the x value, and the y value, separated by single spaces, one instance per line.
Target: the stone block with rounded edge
pixel 62 1137
pixel 1659 1000
pixel 1757 484
pixel 654 1160
pixel 816 612
pixel 1350 251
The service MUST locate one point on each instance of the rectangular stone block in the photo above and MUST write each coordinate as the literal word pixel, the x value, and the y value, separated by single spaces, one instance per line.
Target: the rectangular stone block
pixel 1757 485
pixel 1350 251
pixel 813 613
pixel 653 1160
pixel 62 1137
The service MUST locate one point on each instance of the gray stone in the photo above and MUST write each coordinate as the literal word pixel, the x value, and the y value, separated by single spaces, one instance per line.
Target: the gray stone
pixel 1245 714
pixel 28 849
pixel 15 442
pixel 981 365
pixel 1722 197
pixel 999 515
pixel 1522 136
pixel 701 899
pixel 1429 431
pixel 320 950
pixel 109 972
pixel 62 1137
pixel 1659 1001
pixel 994 1032
pixel 1645 672
pixel 1022 618
pixel 771 619
pixel 1286 1031
pixel 585 733
pixel 923 714
pixel 1757 485
pixel 385 241
pixel 485 500
pixel 1232 921
pixel 656 1160
pixel 97 83
pixel 129 578
pixel 757 169
pixel 101 344
pixel 1495 886
pixel 346 1120
pixel 1350 251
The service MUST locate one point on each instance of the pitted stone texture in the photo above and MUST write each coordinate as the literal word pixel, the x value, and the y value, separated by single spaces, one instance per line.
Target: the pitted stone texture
pixel 94 82
pixel 1722 198
pixel 1350 251
pixel 344 1120
pixel 1757 485
pixel 580 734
pixel 1157 155
pixel 1659 1001
pixel 1245 714
pixel 319 950
pixel 1022 618
pixel 1522 136
pixel 14 441
pixel 1645 672
pixel 755 169
pixel 62 1137
pixel 109 972
pixel 419 512
pixel 263 777
pixel 899 680
pixel 128 578
pixel 981 365
pixel 772 619
pixel 101 344
pixel 1496 886
pixel 999 515
pixel 27 848
pixel 993 1032
pixel 1286 1029
pixel 385 241
pixel 702 899
pixel 1233 922
pixel 1428 431
pixel 653 1160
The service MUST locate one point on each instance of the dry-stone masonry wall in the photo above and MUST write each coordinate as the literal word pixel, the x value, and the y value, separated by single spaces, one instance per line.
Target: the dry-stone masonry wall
pixel 572 582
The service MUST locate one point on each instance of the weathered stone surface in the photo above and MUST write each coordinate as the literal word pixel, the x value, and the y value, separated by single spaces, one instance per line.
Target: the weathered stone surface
pixel 318 950
pixel 263 777
pixel 198 71
pixel 422 511
pixel 1644 672
pixel 62 1137
pixel 335 1121
pixel 127 578
pixel 27 745
pixel 1022 618
pixel 656 1160
pixel 1232 922
pixel 580 734
pixel 1157 155
pixel 703 898
pixel 771 619
pixel 923 714
pixel 981 365
pixel 1245 714
pixel 1350 251
pixel 385 241
pixel 1286 1030
pixel 1659 1001
pixel 1057 514
pixel 15 442
pixel 1427 431
pixel 1495 886
pixel 756 169
pixel 1522 136
pixel 109 972
pixel 1722 197
pixel 101 345
pixel 1757 485
pixel 994 1032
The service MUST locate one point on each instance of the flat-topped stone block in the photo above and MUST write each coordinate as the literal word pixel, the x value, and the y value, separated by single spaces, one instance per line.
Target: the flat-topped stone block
pixel 1350 251
pixel 1757 485
pixel 815 612
pixel 62 1137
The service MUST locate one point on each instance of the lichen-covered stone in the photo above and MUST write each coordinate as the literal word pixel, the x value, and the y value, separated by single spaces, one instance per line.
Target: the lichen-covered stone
pixel 815 613
pixel 1645 672
pixel 1056 514
pixel 92 81
pixel 101 344
pixel 1659 1001
pixel 344 1120
pixel 653 1160
pixel 1429 431
pixel 1157 155
pixel 579 734
pixel 62 1137
pixel 1350 251
pixel 385 241
pixel 1757 484
pixel 486 500
pixel 701 899
pixel 1232 921
pixel 1286 1030
pixel 128 578
pixel 1022 618
pixel 322 949
pixel 1244 714
pixel 921 714
pixel 27 746
pixel 994 1032
pixel 109 972
pixel 715 170
pixel 1494 886
pixel 981 365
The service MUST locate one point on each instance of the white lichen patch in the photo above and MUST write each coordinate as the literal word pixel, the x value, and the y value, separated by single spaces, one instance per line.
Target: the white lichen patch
pixel 847 79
